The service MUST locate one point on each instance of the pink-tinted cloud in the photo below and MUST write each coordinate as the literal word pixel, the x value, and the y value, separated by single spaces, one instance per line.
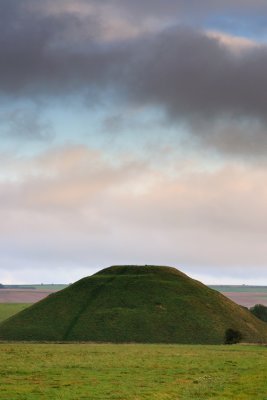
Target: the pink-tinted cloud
pixel 80 209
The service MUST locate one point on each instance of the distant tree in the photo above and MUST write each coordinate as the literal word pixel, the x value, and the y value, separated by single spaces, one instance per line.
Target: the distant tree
pixel 1 286
pixel 260 311
pixel 232 336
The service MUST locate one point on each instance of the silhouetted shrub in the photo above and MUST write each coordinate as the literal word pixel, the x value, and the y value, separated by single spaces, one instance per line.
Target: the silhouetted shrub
pixel 232 336
pixel 260 311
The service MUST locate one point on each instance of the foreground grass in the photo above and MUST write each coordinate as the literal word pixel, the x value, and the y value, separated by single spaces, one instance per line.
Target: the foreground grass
pixel 9 309
pixel 132 372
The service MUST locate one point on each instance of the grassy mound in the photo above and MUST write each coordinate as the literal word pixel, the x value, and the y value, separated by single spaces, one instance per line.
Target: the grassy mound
pixel 147 304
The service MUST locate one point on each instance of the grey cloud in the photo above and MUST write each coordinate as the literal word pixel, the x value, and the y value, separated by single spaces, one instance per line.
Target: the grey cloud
pixel 181 70
pixel 172 8
pixel 192 77
pixel 191 74
pixel 25 124
pixel 220 96
pixel 233 136
pixel 39 56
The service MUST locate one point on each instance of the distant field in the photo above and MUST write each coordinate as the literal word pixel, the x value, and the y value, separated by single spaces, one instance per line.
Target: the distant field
pixel 247 299
pixel 22 295
pixel 51 286
pixel 132 372
pixel 41 286
pixel 27 293
pixel 244 295
pixel 239 288
pixel 9 309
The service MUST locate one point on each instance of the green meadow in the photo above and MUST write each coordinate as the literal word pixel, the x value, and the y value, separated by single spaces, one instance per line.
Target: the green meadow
pixel 239 288
pixel 132 372
pixel 9 309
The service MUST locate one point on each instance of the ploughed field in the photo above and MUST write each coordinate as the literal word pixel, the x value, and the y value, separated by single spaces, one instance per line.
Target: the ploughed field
pixel 22 295
pixel 27 293
pixel 244 295
pixel 132 372
pixel 247 299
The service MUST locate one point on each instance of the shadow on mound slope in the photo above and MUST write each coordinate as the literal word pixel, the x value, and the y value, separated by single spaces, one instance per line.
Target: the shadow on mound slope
pixel 147 304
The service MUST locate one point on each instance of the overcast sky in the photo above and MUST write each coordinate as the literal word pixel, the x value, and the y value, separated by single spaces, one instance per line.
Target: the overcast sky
pixel 133 132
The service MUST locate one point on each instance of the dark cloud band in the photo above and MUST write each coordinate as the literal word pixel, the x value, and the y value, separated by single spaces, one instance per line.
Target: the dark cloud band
pixel 187 73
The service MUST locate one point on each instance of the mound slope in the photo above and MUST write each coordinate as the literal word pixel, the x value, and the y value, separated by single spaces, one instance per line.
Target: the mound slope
pixel 148 304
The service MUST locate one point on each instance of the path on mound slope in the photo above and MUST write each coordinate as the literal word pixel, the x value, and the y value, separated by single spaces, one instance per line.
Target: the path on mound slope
pixel 148 304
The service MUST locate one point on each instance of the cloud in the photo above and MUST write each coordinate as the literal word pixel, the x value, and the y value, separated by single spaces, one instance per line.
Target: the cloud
pixel 128 19
pixel 31 59
pixel 191 74
pixel 24 124
pixel 158 7
pixel 238 137
pixel 211 83
pixel 185 71
pixel 72 206
pixel 236 43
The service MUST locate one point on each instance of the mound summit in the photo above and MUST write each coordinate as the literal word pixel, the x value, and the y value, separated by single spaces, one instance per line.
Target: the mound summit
pixel 148 304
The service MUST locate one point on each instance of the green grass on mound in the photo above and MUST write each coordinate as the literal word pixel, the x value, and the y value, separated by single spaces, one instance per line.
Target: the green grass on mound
pixel 145 304
pixel 132 372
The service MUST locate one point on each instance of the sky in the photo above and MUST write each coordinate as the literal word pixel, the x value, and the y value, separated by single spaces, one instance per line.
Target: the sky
pixel 133 132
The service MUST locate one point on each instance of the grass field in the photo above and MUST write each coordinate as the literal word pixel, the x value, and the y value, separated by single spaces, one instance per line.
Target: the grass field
pixel 239 288
pixel 39 286
pixel 132 372
pixel 9 309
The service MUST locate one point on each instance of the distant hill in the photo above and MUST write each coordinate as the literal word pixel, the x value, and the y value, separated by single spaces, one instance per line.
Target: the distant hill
pixel 148 304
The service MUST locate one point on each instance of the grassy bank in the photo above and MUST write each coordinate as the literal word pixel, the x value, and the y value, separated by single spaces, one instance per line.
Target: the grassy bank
pixel 132 372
